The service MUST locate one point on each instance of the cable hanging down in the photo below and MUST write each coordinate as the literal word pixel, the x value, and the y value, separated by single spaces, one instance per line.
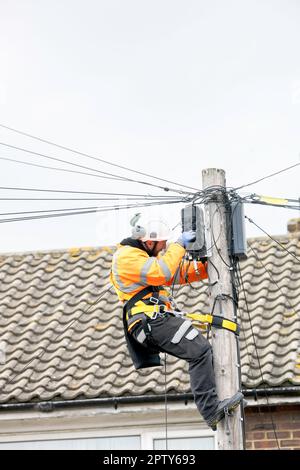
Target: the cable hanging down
pixel 276 241
pixel 239 274
pixel 271 276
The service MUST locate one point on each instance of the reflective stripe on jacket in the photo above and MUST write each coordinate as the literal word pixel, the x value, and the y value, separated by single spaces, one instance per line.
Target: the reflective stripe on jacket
pixel 133 269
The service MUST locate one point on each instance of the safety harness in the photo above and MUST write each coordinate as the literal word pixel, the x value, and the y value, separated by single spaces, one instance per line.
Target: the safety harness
pixel 136 314
pixel 151 308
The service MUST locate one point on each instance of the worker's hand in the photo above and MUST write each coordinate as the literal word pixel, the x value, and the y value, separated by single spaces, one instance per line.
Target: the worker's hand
pixel 186 238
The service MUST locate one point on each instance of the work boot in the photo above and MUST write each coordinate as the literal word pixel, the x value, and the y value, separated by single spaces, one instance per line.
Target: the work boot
pixel 225 406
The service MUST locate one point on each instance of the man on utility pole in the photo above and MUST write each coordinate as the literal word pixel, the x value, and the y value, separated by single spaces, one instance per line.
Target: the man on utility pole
pixel 152 321
pixel 222 302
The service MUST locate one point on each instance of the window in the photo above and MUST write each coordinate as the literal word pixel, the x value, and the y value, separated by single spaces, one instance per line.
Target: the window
pixel 95 443
pixel 185 443
pixel 185 439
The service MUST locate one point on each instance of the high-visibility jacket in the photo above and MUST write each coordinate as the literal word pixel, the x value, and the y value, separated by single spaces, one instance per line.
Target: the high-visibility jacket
pixel 133 269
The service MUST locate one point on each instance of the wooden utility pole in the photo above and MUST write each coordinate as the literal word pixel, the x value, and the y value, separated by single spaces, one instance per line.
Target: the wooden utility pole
pixel 223 342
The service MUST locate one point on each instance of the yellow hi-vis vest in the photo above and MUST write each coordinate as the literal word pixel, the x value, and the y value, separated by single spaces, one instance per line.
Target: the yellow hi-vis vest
pixel 133 269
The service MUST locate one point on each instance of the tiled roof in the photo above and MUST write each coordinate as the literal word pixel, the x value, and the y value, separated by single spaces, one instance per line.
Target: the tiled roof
pixel 55 343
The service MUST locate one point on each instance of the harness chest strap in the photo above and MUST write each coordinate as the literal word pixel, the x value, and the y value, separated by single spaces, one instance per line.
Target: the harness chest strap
pixel 147 309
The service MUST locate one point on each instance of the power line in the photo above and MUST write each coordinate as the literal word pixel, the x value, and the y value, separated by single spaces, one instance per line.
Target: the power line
pixel 91 211
pixel 58 169
pixel 268 176
pixel 122 178
pixel 38 154
pixel 48 210
pixel 92 157
pixel 79 199
pixel 16 188
pixel 68 171
pixel 62 210
pixel 276 241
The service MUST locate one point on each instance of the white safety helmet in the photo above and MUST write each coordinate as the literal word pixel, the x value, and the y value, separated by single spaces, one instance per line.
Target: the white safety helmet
pixel 154 229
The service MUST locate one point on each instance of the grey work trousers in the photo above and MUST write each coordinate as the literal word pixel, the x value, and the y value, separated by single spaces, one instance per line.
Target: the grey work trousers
pixel 197 352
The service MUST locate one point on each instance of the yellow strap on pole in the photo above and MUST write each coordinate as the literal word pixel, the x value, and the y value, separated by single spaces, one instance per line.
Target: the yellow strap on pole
pixel 216 321
pixel 273 200
pixel 229 325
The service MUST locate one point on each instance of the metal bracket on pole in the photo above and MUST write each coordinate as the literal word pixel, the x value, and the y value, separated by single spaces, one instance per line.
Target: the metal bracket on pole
pixel 226 420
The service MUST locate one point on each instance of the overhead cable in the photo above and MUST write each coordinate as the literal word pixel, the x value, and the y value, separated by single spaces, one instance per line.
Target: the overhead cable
pixel 153 196
pixel 122 178
pixel 92 157
pixel 58 169
pixel 266 177
pixel 91 211
pixel 143 198
pixel 38 154
pixel 49 210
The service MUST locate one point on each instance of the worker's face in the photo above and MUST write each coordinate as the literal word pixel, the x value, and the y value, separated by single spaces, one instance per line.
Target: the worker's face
pixel 161 245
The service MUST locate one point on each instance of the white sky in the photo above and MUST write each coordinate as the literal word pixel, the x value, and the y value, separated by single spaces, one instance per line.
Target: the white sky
pixel 167 87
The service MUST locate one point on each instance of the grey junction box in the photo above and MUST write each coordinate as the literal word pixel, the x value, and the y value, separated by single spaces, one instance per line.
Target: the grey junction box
pixel 238 230
pixel 193 219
